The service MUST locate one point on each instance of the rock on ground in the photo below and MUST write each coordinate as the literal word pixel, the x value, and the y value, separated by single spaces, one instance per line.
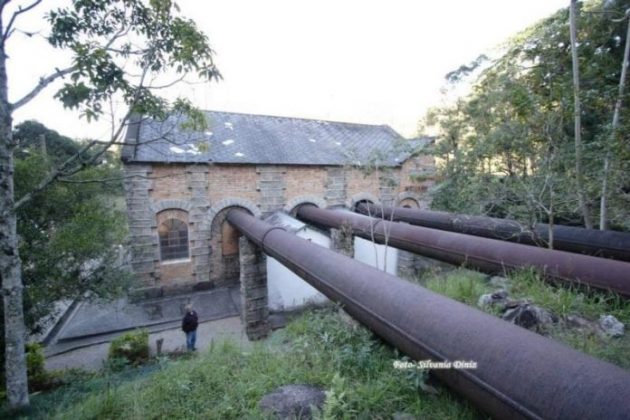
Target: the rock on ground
pixel 498 297
pixel 529 316
pixel 293 401
pixel 611 326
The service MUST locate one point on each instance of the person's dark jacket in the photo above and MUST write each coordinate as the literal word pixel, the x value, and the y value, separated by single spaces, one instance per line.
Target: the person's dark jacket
pixel 190 321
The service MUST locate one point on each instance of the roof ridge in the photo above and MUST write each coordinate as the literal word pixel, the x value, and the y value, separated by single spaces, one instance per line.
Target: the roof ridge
pixel 303 119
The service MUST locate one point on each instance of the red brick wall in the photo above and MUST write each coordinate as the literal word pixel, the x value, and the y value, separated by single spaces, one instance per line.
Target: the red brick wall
pixel 228 182
pixel 232 181
pixel 357 182
pixel 169 181
pixel 305 180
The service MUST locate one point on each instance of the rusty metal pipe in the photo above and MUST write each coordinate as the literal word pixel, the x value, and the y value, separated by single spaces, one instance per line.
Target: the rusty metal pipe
pixel 519 374
pixel 600 243
pixel 488 255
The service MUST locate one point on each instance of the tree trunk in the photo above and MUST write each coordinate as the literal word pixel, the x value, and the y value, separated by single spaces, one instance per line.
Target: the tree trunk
pixel 586 211
pixel 603 215
pixel 10 266
pixel 552 215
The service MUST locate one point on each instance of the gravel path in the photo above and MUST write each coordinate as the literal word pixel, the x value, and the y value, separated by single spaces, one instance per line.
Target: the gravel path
pixel 92 357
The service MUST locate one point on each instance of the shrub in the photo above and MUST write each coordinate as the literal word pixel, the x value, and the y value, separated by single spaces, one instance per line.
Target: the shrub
pixel 38 378
pixel 132 347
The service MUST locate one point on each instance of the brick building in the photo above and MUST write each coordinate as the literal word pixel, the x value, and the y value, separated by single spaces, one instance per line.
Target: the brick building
pixel 181 183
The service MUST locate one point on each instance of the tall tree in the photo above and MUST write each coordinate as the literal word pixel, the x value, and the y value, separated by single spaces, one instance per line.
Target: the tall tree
pixel 119 48
pixel 603 209
pixel 577 115
pixel 508 148
pixel 71 235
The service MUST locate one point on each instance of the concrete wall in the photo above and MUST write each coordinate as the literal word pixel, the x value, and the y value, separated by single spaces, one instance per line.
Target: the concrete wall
pixel 376 255
pixel 287 291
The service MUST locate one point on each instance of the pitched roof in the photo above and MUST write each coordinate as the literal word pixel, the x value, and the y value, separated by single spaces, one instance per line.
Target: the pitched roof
pixel 234 138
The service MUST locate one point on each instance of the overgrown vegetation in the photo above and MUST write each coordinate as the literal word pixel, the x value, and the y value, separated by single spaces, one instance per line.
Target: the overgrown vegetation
pixel 507 149
pixel 319 348
pixel 463 285
pixel 121 55
pixel 39 379
pixel 71 235
pixel 130 348
pixel 562 300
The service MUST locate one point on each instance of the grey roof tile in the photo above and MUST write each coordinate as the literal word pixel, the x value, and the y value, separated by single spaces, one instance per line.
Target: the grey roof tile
pixel 234 138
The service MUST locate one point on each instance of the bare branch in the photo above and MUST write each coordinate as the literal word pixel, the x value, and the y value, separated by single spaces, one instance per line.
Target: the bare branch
pixel 3 4
pixel 20 10
pixel 43 82
pixel 122 32
pixel 120 178
pixel 66 170
pixel 124 52
pixel 168 85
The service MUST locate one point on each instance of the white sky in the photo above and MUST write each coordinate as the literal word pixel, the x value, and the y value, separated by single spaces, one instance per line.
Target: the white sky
pixel 368 61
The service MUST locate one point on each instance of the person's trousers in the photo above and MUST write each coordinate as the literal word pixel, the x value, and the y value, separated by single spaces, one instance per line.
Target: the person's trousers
pixel 191 339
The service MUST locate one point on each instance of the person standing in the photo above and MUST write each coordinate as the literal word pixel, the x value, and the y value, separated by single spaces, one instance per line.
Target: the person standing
pixel 189 326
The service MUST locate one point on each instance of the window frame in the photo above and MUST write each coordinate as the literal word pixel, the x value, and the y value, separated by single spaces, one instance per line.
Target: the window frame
pixel 178 229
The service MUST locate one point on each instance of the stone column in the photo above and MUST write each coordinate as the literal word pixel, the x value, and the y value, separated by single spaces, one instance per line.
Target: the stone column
pixel 144 243
pixel 271 184
pixel 342 241
pixel 335 194
pixel 199 234
pixel 254 301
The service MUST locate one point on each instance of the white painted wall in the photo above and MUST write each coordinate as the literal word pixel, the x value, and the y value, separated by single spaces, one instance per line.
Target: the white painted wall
pixel 286 290
pixel 364 252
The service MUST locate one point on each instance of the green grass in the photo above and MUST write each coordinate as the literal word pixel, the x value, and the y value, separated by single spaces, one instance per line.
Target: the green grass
pixel 561 299
pixel 462 285
pixel 565 299
pixel 319 348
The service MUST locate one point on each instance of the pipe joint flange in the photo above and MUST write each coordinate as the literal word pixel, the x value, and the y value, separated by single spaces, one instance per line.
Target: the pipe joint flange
pixel 262 240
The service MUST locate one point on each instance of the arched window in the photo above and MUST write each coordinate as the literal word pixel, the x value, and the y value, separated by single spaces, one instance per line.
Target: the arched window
pixel 173 234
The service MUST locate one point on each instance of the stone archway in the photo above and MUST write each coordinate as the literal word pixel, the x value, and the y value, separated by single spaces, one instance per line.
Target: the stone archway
pixel 235 260
pixel 362 197
pixel 224 255
pixel 410 203
pixel 292 206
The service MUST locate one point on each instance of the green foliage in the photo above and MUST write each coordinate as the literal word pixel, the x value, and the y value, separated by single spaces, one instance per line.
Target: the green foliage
pixel 336 405
pixel 228 381
pixel 106 38
pixel 71 233
pixel 119 50
pixel 507 148
pixel 462 285
pixel 562 300
pixel 38 377
pixel 565 300
pixel 131 347
pixel 33 136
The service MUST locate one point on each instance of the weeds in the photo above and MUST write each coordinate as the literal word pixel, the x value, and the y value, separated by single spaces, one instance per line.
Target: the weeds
pixel 561 299
pixel 319 348
pixel 462 285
